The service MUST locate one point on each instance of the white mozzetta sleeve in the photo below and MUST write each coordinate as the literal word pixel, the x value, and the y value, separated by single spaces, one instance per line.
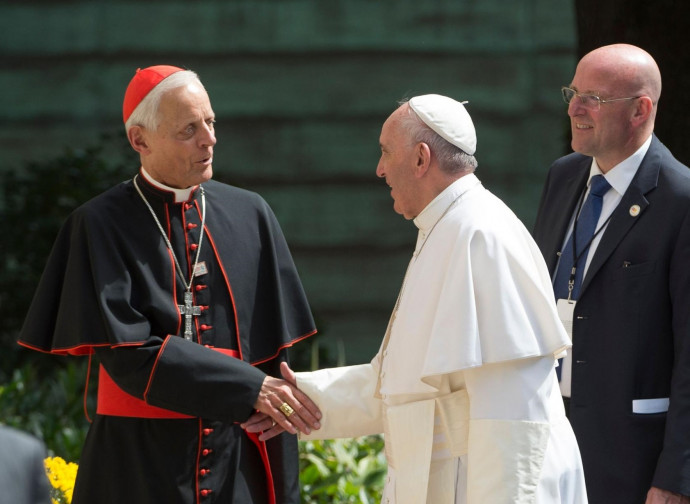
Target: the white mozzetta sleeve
pixel 346 399
pixel 509 429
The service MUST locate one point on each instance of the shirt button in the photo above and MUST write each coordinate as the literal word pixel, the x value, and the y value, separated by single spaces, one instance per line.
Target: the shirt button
pixel 194 246
pixel 206 452
pixel 206 432
pixel 205 492
pixel 191 225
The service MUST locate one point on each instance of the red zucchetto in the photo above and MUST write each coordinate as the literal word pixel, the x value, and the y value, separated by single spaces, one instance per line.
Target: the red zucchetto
pixel 142 83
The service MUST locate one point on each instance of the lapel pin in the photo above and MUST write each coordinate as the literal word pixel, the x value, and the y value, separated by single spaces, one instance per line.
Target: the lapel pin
pixel 635 210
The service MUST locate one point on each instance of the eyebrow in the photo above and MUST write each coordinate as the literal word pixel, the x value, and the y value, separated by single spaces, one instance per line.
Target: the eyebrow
pixel 189 121
pixel 574 88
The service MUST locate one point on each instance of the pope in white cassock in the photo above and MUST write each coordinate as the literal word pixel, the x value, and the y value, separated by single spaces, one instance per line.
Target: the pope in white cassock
pixel 464 384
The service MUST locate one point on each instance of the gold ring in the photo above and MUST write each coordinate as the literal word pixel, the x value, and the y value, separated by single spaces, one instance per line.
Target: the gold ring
pixel 286 409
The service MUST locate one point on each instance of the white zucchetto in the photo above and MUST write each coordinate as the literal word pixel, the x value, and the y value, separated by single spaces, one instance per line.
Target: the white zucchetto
pixel 448 118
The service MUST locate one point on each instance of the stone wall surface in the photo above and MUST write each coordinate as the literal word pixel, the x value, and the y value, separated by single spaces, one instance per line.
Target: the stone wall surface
pixel 300 89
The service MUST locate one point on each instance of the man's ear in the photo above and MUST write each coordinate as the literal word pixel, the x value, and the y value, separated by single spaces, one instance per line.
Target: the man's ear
pixel 643 110
pixel 423 159
pixel 137 139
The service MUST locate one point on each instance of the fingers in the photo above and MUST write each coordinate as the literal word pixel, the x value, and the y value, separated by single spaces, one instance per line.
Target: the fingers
pixel 260 422
pixel 306 408
pixel 288 374
pixel 288 406
pixel 659 496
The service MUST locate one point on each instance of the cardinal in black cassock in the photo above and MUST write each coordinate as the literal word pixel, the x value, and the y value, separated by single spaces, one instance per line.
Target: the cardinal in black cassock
pixel 189 298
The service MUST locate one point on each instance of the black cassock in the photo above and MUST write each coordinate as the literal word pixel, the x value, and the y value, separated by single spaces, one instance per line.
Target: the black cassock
pixel 166 430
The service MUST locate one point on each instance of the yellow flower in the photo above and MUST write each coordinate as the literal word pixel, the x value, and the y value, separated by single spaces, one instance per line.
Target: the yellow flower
pixel 61 475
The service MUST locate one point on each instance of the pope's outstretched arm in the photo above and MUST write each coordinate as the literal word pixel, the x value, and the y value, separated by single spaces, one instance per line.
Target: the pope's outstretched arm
pixel 345 396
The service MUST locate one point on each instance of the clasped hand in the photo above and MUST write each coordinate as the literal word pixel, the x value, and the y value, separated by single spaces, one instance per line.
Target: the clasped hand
pixel 273 417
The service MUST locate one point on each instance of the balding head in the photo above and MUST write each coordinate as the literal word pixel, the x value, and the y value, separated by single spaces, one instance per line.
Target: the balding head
pixel 630 69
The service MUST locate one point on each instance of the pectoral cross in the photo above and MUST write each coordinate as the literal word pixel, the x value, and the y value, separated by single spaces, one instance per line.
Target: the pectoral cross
pixel 188 310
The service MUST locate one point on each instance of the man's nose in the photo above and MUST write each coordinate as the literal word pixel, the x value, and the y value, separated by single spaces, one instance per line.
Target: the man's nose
pixel 575 107
pixel 379 170
pixel 209 136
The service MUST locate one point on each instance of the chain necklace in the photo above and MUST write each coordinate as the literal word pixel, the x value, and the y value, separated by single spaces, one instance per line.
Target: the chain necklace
pixel 188 309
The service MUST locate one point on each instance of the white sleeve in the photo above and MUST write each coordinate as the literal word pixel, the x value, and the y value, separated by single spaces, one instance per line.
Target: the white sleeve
pixel 513 390
pixel 346 399
pixel 509 429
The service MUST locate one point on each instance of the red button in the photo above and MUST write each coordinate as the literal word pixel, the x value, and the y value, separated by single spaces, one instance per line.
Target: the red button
pixel 205 492
pixel 207 431
pixel 205 327
pixel 206 452
pixel 200 287
pixel 187 206
pixel 194 246
pixel 204 472
pixel 191 225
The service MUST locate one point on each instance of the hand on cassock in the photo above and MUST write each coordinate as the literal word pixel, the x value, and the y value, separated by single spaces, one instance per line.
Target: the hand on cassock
pixel 270 420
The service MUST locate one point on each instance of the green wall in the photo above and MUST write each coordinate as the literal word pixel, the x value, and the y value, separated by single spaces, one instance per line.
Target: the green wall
pixel 300 89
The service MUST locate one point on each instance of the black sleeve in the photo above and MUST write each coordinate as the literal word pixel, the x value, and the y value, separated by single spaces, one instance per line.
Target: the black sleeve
pixel 185 377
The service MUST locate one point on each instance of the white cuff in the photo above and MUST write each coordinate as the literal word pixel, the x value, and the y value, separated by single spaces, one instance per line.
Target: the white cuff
pixel 346 399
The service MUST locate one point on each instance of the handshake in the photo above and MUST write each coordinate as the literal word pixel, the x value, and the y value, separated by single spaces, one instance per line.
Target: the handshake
pixel 281 407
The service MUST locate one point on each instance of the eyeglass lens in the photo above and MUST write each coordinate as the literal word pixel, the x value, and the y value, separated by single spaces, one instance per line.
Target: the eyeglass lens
pixel 589 101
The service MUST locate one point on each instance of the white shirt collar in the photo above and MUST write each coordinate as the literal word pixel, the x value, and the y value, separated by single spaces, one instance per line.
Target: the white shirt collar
pixel 435 210
pixel 622 174
pixel 181 195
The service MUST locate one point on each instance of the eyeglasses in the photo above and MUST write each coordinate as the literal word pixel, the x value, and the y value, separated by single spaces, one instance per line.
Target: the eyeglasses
pixel 589 101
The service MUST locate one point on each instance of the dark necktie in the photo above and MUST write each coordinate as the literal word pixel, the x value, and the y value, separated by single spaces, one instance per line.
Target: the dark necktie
pixel 585 227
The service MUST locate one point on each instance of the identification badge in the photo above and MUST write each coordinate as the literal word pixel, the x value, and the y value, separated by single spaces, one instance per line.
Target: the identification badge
pixel 566 308
pixel 200 269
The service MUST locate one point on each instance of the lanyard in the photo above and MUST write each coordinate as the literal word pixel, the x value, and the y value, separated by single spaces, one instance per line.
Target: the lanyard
pixel 585 249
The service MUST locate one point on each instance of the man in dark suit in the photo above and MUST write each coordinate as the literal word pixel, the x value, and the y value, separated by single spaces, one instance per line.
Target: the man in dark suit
pixel 625 292
pixel 23 478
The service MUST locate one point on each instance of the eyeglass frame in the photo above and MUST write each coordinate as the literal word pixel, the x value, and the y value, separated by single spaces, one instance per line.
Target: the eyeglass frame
pixel 597 98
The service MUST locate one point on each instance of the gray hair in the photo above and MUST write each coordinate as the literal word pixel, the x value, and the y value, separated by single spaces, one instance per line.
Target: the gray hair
pixel 146 113
pixel 451 159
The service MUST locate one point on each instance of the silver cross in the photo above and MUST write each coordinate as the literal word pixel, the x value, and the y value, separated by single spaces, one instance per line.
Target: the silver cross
pixel 188 310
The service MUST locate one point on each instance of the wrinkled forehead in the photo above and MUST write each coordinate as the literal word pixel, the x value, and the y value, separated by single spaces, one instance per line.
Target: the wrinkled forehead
pixel 185 104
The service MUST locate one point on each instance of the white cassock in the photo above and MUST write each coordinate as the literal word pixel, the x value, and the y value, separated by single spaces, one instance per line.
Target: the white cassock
pixel 463 386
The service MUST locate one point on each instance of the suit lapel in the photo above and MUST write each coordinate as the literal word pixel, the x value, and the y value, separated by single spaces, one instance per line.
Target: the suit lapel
pixel 622 220
pixel 565 203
